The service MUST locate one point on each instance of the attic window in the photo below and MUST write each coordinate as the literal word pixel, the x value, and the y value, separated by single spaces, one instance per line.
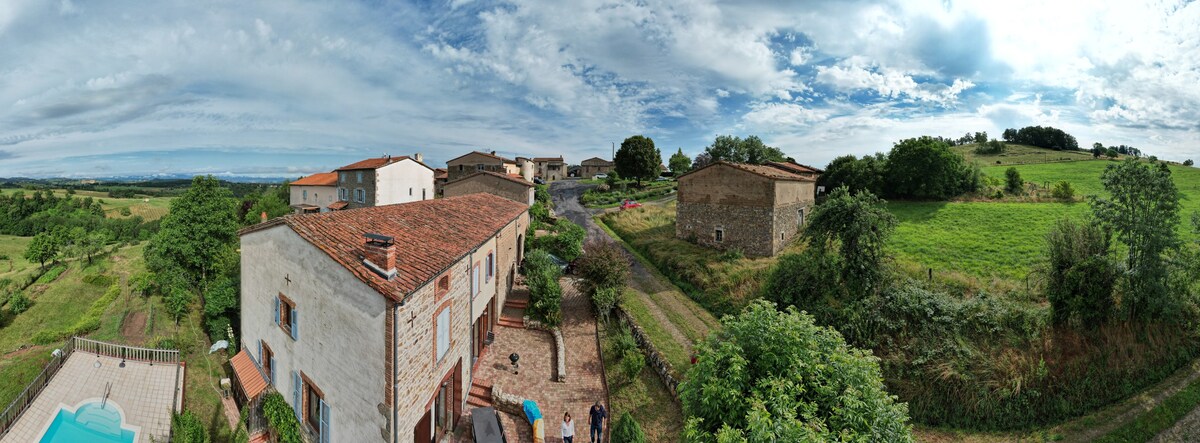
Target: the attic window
pixel 443 286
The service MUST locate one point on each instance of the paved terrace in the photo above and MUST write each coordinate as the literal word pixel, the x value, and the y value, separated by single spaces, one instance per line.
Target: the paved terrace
pixel 143 392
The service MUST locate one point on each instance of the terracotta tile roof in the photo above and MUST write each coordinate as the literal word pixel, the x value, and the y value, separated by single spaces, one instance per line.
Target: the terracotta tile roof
pixel 485 154
pixel 796 167
pixel 430 235
pixel 338 205
pixel 548 159
pixel 595 160
pixel 371 163
pixel 440 173
pixel 512 178
pixel 318 179
pixel 248 374
pixel 767 171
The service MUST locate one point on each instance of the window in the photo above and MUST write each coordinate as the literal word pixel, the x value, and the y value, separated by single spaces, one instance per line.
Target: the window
pixel 475 279
pixel 490 267
pixel 342 194
pixel 478 167
pixel 313 411
pixel 359 176
pixel 342 176
pixel 311 408
pixel 442 334
pixel 720 234
pixel 410 192
pixel 443 286
pixel 267 360
pixel 800 222
pixel 286 316
pixel 360 195
pixel 422 193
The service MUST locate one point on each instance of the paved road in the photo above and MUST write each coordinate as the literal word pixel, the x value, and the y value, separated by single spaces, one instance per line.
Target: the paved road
pixel 565 195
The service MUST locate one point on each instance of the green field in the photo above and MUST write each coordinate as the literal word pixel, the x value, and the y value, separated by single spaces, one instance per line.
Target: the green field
pixel 149 208
pixel 1021 154
pixel 13 247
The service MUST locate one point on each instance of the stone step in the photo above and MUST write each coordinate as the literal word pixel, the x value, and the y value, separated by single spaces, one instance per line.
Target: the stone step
pixel 511 322
pixel 516 303
pixel 477 402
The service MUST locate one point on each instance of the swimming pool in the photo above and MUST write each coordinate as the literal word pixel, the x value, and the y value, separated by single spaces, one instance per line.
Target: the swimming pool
pixel 89 422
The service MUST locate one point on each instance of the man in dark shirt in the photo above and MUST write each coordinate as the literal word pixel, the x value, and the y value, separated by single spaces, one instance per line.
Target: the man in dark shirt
pixel 596 419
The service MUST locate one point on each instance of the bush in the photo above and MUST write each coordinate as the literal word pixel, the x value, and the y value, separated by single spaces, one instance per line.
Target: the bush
pixel 540 214
pixel 51 275
pixel 1080 274
pixel 627 430
pixel 606 299
pixel 186 428
pixel 808 281
pixel 98 280
pixel 1188 162
pixel 1063 190
pixel 565 241
pixel 545 294
pixel 18 303
pixel 126 212
pixel 1012 181
pixel 603 265
pixel 281 418
pixel 632 362
pixel 993 147
pixel 541 195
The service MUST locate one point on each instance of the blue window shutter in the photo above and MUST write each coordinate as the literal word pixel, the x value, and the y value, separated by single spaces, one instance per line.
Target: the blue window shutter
pixel 296 394
pixel 260 354
pixel 325 422
pixel 273 370
pixel 294 325
pixel 276 311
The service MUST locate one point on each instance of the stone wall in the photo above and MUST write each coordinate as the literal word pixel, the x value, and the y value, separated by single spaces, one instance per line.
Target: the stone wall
pixel 653 357
pixel 351 183
pixel 787 222
pixel 560 348
pixel 748 229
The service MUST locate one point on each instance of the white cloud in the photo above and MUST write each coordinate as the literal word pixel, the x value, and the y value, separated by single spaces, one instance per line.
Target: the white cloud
pixel 800 56
pixel 854 75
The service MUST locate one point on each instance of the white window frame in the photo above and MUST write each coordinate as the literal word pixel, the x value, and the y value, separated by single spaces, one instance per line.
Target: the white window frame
pixel 442 335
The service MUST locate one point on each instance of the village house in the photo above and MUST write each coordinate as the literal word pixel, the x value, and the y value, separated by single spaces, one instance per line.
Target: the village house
pixel 472 162
pixel 549 168
pixel 383 181
pixel 440 177
pixel 508 186
pixel 595 165
pixel 313 193
pixel 369 321
pixel 755 209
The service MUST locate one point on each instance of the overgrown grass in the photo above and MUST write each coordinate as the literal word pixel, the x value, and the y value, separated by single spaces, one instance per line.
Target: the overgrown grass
pixel 1016 154
pixel 17 369
pixel 676 353
pixel 1158 419
pixel 644 397
pixel 13 247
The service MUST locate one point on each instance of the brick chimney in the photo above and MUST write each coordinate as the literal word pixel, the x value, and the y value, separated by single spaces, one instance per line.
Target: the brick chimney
pixel 379 255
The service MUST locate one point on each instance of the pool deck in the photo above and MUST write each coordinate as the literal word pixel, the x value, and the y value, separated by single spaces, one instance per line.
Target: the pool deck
pixel 143 392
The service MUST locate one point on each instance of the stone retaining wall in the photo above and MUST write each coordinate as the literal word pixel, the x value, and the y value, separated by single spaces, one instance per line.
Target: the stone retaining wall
pixel 560 348
pixel 653 357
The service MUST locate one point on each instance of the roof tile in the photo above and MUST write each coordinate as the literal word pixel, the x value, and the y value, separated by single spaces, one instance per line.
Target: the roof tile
pixel 318 179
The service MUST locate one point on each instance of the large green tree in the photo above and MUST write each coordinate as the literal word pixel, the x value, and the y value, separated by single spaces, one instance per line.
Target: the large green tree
pixel 1079 273
pixel 679 163
pixel 1142 208
pixel 772 376
pixel 43 248
pixel 268 203
pixel 200 229
pixel 738 150
pixel 865 174
pixel 638 159
pixel 926 168
pixel 858 226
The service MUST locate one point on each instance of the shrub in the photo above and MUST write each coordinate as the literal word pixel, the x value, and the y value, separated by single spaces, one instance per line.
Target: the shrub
pixel 1012 181
pixel 1063 190
pixel 18 303
pixel 606 299
pixel 623 342
pixel 1188 162
pixel 566 241
pixel 51 275
pixel 807 280
pixel 177 298
pixel 731 255
pixel 98 280
pixel 603 265
pixel 632 362
pixel 542 195
pixel 627 430
pixel 186 428
pixel 545 294
pixel 1080 274
pixel 540 214
pixel 126 212
pixel 281 418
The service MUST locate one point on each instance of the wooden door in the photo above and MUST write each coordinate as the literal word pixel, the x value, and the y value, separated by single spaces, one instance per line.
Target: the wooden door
pixel 423 432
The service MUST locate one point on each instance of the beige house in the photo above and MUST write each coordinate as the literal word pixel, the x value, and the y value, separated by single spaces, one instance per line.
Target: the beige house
pixel 756 209
pixel 549 168
pixel 383 181
pixel 313 193
pixel 440 177
pixel 595 165
pixel 473 162
pixel 511 187
pixel 369 321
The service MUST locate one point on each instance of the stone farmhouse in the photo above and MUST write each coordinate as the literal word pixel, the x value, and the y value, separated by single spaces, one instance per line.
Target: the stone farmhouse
pixel 383 181
pixel 313 193
pixel 595 165
pixel 369 321
pixel 440 177
pixel 755 209
pixel 473 162
pixel 549 168
pixel 511 187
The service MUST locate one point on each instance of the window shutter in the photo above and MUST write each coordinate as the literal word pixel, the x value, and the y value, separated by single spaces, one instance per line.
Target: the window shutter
pixel 273 370
pixel 475 275
pixel 276 315
pixel 260 354
pixel 296 395
pixel 295 325
pixel 325 431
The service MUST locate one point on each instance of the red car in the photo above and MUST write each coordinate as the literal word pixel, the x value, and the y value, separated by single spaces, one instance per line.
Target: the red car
pixel 630 204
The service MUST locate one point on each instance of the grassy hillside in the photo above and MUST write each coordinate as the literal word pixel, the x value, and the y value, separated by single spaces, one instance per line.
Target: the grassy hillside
pixel 1021 154
pixel 149 208
pixel 13 247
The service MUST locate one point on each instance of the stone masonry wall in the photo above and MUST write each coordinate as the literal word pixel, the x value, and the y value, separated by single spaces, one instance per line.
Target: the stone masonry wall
pixel 653 357
pixel 745 228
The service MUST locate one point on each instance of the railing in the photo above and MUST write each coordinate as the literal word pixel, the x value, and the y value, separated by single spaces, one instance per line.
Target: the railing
pixel 22 402
pixel 126 352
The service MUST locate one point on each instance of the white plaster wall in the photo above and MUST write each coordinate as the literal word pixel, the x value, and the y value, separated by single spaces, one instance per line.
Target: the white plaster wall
pixel 393 182
pixel 341 328
pixel 317 195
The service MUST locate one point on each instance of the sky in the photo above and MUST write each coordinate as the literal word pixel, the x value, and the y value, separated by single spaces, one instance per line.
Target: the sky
pixel 287 88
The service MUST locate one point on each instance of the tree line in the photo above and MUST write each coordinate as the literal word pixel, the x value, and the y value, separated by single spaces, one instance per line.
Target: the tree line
pixel 916 168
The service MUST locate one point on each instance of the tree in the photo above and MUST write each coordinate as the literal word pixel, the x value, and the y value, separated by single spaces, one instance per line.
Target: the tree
pixel 603 265
pixel 269 203
pixel 702 160
pixel 925 168
pixel 187 428
pixel 679 163
pixel 1063 190
pixel 199 229
pixel 1009 135
pixel 737 150
pixel 44 247
pixel 627 430
pixel 1044 137
pixel 220 306
pixel 1111 153
pixel 865 174
pixel 638 159
pixel 1143 210
pixel 1188 162
pixel 770 375
pixel 858 225
pixel 1012 181
pixel 981 137
pixel 1080 274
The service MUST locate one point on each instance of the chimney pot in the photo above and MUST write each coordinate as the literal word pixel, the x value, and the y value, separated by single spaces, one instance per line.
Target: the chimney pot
pixel 379 254
pixel 493 152
pixel 419 158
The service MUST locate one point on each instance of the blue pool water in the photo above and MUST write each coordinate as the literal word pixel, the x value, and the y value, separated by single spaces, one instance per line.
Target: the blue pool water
pixel 89 423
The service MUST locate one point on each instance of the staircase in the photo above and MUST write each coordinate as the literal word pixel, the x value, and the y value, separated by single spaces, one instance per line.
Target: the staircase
pixel 480 395
pixel 514 309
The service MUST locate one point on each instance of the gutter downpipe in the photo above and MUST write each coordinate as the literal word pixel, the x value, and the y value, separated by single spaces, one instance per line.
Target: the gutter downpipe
pixel 395 373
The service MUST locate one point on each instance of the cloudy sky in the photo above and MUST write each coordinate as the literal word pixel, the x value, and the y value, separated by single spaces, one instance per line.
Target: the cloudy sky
pixel 281 88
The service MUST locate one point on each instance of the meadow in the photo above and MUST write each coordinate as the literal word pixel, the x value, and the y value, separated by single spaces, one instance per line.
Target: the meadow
pixel 149 208
pixel 1016 154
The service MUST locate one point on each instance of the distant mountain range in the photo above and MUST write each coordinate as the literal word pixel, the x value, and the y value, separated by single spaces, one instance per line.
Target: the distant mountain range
pixel 148 178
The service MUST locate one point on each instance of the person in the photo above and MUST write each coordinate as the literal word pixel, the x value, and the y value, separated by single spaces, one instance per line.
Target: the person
pixel 596 419
pixel 568 428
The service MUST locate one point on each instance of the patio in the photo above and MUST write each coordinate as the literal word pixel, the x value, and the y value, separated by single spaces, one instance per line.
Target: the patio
pixel 146 393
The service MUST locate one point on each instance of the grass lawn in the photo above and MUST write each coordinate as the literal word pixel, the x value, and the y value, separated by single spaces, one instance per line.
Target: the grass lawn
pixel 644 397
pixel 149 208
pixel 13 247
pixel 634 302
pixel 1021 154
pixel 593 198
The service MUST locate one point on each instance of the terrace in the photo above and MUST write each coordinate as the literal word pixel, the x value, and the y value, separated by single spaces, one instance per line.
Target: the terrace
pixel 99 392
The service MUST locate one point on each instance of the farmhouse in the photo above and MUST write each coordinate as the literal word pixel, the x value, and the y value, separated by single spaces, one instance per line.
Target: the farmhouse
pixel 369 321
pixel 473 162
pixel 383 181
pixel 549 168
pixel 511 187
pixel 440 177
pixel 755 209
pixel 595 165
pixel 313 193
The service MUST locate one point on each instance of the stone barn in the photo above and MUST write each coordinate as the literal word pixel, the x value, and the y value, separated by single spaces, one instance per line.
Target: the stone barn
pixel 755 209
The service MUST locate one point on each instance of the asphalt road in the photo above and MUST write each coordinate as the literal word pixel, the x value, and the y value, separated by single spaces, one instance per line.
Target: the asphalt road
pixel 565 195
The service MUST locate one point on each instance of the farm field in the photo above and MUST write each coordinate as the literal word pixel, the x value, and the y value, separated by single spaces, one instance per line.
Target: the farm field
pixel 1021 154
pixel 149 208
